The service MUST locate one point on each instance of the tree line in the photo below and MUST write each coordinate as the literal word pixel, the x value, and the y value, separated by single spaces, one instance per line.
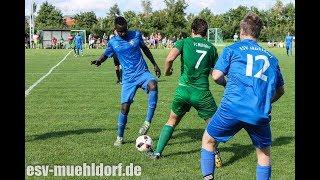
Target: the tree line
pixel 172 20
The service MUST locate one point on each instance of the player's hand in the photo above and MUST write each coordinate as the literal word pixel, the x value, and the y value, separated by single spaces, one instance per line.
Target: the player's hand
pixel 157 70
pixel 169 73
pixel 96 62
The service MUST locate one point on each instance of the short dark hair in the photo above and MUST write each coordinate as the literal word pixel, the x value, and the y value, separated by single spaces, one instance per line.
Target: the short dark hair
pixel 120 21
pixel 199 26
pixel 251 25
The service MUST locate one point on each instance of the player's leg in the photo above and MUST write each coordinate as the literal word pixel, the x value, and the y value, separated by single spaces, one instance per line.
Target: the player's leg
pixel 149 84
pixel 220 129
pixel 206 106
pixel 261 139
pixel 180 105
pixel 166 134
pixel 81 50
pixel 117 68
pixel 287 49
pixel 127 94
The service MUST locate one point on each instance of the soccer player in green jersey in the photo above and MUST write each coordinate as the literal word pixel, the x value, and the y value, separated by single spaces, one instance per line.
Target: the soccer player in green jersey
pixel 198 57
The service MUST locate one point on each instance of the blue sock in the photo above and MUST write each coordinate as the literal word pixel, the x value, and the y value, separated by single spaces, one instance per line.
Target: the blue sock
pixel 152 104
pixel 263 172
pixel 122 121
pixel 207 161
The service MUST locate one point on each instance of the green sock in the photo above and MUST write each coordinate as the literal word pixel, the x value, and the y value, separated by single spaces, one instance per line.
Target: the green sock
pixel 165 136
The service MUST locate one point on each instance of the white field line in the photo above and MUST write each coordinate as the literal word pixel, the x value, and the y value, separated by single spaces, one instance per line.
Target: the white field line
pixel 27 92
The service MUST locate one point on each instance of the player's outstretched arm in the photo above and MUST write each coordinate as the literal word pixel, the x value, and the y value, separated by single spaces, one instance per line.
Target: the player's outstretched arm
pixel 278 94
pixel 218 77
pixel 149 55
pixel 99 61
pixel 173 54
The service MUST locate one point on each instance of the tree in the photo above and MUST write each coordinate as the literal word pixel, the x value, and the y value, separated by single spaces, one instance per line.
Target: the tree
pixel 147 8
pixel 114 12
pixel 85 20
pixel 206 14
pixel 48 17
pixel 176 17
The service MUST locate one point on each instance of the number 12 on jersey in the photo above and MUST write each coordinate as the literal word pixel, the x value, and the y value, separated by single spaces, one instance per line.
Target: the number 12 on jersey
pixel 259 74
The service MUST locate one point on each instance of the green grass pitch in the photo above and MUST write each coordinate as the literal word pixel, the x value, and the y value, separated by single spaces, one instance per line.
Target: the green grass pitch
pixel 71 119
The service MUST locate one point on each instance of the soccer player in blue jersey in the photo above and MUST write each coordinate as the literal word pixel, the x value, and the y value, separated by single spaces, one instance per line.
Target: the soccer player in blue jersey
pixel 254 82
pixel 126 45
pixel 78 44
pixel 288 41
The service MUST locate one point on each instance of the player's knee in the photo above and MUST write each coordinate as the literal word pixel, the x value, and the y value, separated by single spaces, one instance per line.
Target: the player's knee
pixel 116 67
pixel 208 141
pixel 263 156
pixel 125 108
pixel 153 85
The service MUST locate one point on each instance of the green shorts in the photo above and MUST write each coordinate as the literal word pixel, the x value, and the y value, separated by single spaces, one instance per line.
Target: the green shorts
pixel 186 97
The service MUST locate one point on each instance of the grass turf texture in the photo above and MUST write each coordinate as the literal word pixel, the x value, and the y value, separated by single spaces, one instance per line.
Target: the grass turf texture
pixel 71 119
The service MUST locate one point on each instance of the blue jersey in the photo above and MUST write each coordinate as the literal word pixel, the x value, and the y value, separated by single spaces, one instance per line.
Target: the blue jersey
pixel 253 75
pixel 288 40
pixel 78 40
pixel 129 55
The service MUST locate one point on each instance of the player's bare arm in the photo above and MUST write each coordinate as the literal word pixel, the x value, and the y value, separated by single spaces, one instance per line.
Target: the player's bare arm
pixel 173 54
pixel 100 60
pixel 218 77
pixel 149 55
pixel 278 94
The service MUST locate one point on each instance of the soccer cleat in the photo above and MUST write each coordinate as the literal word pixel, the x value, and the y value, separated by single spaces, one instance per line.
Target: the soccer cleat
pixel 217 158
pixel 118 142
pixel 151 154
pixel 144 128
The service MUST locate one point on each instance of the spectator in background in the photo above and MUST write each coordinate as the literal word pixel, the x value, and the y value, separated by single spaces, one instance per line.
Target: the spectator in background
pixel 54 42
pixel 61 43
pixel 164 42
pixel 70 40
pixel 174 39
pixel 36 40
pixel 98 43
pixel 91 41
pixel 104 38
pixel 152 41
pixel 235 37
pixel 270 44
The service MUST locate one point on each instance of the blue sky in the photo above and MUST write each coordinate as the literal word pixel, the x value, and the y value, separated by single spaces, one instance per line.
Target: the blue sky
pixel 100 7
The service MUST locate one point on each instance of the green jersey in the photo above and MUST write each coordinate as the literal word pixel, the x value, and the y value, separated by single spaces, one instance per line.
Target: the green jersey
pixel 198 57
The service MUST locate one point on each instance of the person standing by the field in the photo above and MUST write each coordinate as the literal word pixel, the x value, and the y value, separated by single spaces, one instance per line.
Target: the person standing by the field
pixel 78 40
pixel 127 45
pixel 198 57
pixel 289 41
pixel 254 82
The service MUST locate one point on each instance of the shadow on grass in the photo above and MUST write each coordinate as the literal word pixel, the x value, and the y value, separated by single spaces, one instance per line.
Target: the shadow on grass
pixel 239 151
pixel 57 134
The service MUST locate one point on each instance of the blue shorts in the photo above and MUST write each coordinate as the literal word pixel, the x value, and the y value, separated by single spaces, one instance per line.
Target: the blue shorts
pixel 222 128
pixel 79 46
pixel 129 89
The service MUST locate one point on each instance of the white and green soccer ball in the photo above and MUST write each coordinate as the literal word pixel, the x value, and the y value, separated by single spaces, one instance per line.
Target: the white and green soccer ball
pixel 143 143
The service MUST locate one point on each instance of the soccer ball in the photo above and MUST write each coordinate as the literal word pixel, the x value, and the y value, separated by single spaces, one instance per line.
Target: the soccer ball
pixel 143 143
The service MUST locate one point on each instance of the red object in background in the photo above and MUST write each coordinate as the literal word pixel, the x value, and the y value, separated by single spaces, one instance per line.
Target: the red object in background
pixel 70 37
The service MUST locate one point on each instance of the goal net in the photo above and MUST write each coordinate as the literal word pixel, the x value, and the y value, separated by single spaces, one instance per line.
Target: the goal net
pixel 215 36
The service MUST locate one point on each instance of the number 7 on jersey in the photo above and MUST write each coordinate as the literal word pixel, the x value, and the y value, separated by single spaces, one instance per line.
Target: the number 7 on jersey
pixel 203 53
